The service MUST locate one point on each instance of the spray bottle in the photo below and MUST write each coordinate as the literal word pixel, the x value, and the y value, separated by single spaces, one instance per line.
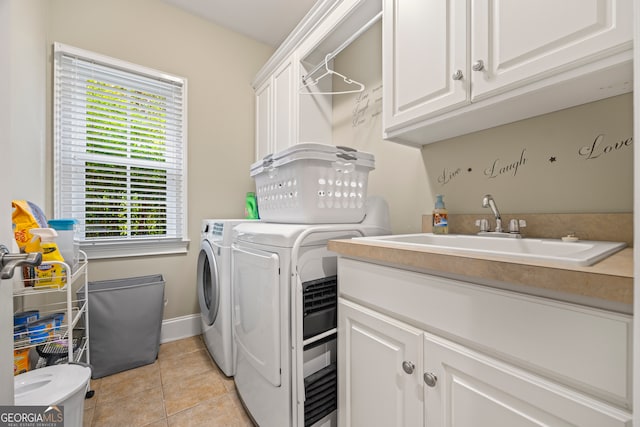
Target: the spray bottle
pixel 47 273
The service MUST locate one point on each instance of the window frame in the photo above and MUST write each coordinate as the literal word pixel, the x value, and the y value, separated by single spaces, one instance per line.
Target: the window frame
pixel 127 246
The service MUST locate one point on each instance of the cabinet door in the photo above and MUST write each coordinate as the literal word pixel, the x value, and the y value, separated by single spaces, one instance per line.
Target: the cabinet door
pixel 522 41
pixel 468 389
pixel 379 370
pixel 424 45
pixel 264 113
pixel 283 123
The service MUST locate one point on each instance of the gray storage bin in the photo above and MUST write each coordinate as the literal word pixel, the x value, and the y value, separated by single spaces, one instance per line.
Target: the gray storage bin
pixel 125 317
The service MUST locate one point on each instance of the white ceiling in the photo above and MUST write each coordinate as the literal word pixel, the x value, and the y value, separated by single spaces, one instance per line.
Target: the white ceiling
pixel 269 21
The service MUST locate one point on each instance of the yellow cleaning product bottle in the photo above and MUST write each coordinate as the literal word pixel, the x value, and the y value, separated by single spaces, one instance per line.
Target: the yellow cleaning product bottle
pixel 47 273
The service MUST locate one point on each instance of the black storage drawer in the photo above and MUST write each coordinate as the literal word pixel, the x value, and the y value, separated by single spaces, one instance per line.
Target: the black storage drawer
pixel 320 299
pixel 321 392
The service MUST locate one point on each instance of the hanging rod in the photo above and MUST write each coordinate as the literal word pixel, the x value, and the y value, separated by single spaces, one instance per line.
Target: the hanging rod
pixel 346 43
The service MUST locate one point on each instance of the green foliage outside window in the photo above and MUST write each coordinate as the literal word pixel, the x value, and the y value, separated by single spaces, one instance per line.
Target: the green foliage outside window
pixel 124 129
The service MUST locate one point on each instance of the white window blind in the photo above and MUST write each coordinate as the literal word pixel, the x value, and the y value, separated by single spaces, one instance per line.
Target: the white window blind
pixel 119 150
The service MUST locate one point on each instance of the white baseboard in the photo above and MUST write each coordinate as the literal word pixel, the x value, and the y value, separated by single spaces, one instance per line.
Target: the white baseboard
pixel 180 327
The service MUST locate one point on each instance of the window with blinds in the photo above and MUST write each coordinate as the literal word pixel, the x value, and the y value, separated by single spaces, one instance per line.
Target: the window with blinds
pixel 119 149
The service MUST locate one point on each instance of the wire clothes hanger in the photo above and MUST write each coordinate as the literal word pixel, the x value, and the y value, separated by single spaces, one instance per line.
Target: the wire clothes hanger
pixel 309 82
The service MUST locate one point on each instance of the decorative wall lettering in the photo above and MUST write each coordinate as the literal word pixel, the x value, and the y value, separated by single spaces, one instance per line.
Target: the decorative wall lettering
pixel 363 106
pixel 496 169
pixel 584 156
pixel 597 148
pixel 377 108
pixel 446 176
pixel 360 109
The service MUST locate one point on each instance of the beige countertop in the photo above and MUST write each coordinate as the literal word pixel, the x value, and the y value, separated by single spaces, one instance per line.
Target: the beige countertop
pixel 607 284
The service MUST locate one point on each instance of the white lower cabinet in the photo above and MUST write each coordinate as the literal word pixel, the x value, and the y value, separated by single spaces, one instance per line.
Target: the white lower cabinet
pixel 464 388
pixel 379 370
pixel 421 354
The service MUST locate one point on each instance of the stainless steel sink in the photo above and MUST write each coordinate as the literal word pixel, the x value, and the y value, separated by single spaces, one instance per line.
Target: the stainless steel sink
pixel 582 252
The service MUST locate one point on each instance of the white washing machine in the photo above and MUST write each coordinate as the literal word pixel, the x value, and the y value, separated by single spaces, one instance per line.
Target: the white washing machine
pixel 285 306
pixel 214 290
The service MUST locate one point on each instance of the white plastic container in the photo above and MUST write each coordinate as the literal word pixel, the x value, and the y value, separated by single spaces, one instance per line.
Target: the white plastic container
pixel 64 385
pixel 67 240
pixel 312 183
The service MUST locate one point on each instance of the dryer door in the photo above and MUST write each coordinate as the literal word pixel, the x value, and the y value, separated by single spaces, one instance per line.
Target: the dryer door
pixel 208 283
pixel 256 292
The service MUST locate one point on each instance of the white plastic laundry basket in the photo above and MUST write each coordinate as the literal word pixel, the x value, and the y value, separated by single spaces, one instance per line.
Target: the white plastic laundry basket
pixel 312 183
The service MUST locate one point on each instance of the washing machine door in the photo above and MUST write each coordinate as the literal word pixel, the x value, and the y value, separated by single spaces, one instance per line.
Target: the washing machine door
pixel 208 283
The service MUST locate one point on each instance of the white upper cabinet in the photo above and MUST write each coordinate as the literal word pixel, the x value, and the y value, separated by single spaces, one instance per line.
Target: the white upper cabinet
pixel 424 44
pixel 456 66
pixel 275 111
pixel 515 42
pixel 287 114
pixel 264 139
pixel 283 107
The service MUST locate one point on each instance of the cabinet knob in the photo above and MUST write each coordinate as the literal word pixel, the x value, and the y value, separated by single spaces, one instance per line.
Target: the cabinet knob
pixel 408 367
pixel 430 379
pixel 457 75
pixel 478 65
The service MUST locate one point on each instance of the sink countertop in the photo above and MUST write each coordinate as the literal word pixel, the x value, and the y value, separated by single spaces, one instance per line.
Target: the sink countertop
pixel 607 284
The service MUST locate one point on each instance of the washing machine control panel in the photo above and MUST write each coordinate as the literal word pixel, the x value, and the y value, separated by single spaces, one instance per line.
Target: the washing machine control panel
pixel 213 231
pixel 217 229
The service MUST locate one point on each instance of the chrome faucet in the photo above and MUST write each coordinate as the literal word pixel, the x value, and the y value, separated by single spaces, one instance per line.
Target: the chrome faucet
pixel 514 224
pixel 488 202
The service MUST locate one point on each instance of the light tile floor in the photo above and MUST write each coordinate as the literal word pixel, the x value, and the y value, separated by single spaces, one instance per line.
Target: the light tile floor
pixel 183 387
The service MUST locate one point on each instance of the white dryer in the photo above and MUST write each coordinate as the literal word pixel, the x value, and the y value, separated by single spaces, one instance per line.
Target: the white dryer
pixel 285 304
pixel 214 290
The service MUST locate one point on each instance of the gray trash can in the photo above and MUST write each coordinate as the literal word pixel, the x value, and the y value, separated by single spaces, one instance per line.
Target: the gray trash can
pixel 125 317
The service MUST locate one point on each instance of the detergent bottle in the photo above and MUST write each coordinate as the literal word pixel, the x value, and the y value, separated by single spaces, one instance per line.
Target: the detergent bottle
pixel 49 274
pixel 440 223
